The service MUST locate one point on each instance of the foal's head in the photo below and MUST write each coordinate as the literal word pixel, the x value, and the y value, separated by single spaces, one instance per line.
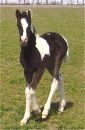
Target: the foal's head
pixel 24 26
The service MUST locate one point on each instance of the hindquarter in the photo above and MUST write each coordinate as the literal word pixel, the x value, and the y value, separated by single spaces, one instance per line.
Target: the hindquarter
pixel 58 49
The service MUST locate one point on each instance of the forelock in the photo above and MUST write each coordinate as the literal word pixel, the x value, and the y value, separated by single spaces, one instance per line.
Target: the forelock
pixel 24 14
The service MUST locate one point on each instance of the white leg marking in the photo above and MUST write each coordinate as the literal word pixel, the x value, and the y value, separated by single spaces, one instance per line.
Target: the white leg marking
pixel 28 93
pixel 62 95
pixel 54 87
pixel 35 106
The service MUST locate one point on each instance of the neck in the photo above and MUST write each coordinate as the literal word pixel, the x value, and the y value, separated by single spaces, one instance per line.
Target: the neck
pixel 32 39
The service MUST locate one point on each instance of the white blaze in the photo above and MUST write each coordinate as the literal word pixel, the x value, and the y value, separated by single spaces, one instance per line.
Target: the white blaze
pixel 24 26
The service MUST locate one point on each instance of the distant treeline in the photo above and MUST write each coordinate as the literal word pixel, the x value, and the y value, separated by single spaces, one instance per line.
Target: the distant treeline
pixel 40 2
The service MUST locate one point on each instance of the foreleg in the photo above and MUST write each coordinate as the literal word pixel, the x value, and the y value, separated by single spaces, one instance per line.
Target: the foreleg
pixel 29 92
pixel 31 81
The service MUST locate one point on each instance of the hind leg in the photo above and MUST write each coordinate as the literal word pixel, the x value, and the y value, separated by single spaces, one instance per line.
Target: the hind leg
pixel 35 106
pixel 54 87
pixel 54 70
pixel 62 95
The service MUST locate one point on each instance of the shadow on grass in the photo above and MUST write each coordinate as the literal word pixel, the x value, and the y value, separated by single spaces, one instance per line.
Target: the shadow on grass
pixel 55 106
pixel 53 110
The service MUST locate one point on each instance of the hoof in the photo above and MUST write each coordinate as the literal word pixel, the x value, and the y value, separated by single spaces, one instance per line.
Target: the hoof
pixel 44 116
pixel 23 122
pixel 62 107
pixel 60 110
pixel 41 120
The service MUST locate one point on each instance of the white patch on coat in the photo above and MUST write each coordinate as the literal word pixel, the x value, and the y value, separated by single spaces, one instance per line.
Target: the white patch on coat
pixel 42 46
pixel 24 26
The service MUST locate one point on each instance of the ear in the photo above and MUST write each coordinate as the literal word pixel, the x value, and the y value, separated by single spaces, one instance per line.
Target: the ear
pixel 29 14
pixel 18 13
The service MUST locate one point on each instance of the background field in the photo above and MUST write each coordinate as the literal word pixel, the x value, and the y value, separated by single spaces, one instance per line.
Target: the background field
pixel 68 22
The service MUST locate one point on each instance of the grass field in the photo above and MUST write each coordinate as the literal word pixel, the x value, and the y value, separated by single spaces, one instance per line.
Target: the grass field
pixel 68 22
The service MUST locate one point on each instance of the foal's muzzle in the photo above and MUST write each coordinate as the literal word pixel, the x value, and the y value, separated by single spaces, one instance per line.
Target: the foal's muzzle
pixel 24 41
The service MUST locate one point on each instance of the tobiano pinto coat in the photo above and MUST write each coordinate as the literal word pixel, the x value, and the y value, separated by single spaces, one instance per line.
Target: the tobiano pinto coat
pixel 37 54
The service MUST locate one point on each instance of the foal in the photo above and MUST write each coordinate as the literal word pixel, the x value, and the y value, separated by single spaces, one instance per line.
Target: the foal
pixel 37 54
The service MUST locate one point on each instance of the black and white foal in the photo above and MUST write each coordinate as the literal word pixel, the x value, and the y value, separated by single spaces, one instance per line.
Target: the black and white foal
pixel 37 54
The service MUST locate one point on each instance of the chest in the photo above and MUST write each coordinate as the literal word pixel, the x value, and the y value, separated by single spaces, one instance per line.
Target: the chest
pixel 30 59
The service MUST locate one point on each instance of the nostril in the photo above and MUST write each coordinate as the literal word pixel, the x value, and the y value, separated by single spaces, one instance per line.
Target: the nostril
pixel 23 39
pixel 26 39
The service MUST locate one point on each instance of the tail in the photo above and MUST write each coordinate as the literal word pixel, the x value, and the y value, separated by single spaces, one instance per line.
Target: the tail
pixel 66 58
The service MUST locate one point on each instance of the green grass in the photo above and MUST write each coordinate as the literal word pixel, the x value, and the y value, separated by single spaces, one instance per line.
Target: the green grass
pixel 68 22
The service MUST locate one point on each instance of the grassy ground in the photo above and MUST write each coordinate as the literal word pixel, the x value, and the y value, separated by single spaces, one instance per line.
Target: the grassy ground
pixel 68 22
